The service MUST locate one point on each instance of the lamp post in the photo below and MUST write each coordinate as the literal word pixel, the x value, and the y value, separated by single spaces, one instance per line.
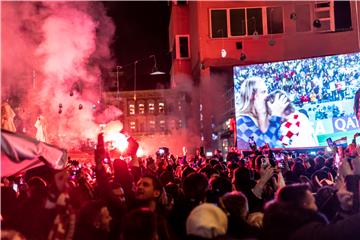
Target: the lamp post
pixel 135 80
pixel 155 70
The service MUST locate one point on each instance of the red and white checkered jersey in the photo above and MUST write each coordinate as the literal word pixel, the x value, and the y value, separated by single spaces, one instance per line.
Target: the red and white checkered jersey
pixel 297 131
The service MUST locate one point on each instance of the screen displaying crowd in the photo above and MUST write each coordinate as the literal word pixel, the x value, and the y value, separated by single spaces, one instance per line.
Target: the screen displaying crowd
pixel 312 94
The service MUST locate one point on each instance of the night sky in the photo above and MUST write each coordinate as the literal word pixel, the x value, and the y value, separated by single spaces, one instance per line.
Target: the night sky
pixel 141 30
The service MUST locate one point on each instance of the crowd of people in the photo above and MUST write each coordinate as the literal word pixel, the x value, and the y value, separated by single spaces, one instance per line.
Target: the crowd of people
pixel 192 196
pixel 187 197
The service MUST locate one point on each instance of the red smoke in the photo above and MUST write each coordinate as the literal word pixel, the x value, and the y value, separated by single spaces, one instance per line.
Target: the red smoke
pixel 54 53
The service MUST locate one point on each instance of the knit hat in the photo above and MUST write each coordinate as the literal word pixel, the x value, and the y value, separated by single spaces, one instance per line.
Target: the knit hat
pixel 207 221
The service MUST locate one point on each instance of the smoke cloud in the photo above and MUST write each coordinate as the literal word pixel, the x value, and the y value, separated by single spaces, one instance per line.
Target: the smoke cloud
pixel 177 137
pixel 215 102
pixel 53 55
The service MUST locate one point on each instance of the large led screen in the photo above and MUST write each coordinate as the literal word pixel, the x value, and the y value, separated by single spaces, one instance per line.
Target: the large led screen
pixel 297 103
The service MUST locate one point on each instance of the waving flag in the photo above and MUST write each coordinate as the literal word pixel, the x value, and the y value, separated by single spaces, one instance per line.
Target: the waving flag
pixel 341 142
pixel 20 153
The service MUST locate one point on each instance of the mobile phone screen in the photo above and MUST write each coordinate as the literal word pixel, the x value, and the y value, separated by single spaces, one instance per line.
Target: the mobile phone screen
pixel 330 143
pixel 15 187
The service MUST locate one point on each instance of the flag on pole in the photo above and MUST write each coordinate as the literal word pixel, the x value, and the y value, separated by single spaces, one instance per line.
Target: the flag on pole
pixel 20 153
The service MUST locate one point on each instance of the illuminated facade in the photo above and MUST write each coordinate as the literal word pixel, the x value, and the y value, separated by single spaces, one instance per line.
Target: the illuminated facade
pixel 208 38
pixel 153 111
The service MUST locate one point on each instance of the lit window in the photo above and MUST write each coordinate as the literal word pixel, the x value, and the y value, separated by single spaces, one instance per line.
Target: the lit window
pixel 132 126
pixel 141 107
pixel 180 123
pixel 161 107
pixel 131 108
pixel 152 125
pixel 162 125
pixel 151 107
pixel 179 106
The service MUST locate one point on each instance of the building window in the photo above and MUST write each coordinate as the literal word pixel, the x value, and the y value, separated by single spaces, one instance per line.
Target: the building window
pixel 254 21
pixel 172 124
pixel 180 123
pixel 152 125
pixel 132 126
pixel 141 107
pixel 182 46
pixel 141 127
pixel 274 20
pixel 179 106
pixel 342 15
pixel 302 20
pixel 162 125
pixel 151 107
pixel 161 108
pixel 237 22
pixel 218 23
pixel 131 108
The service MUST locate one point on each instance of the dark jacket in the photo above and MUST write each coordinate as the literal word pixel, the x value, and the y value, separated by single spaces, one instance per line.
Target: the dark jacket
pixel 282 220
pixel 348 229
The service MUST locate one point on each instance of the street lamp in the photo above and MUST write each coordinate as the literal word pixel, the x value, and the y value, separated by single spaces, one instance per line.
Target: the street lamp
pixel 155 70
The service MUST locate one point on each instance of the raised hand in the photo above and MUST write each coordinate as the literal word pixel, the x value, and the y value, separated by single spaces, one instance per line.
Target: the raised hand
pixel 345 168
pixel 266 172
pixel 278 106
pixel 344 196
pixel 356 164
